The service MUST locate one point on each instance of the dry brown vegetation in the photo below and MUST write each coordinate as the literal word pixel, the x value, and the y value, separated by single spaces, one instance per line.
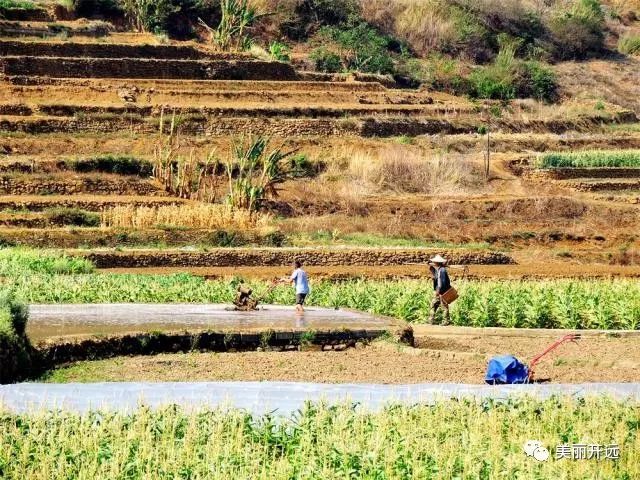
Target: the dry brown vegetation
pixel 395 169
pixel 206 216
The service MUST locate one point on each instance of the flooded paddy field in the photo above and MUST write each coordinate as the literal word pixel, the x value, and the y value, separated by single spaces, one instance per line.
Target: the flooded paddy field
pixel 50 321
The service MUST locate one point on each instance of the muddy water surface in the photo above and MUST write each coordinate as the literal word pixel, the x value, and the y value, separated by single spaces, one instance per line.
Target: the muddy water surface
pixel 48 321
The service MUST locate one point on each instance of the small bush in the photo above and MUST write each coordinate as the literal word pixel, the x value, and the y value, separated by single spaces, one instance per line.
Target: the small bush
pixel 539 82
pixel 362 47
pixel 118 164
pixel 311 15
pixel 509 77
pixel 326 60
pixel 497 81
pixel 17 4
pixel 92 8
pixel 74 217
pixel 578 31
pixel 280 52
pixel 629 44
pixel 16 353
pixel 152 15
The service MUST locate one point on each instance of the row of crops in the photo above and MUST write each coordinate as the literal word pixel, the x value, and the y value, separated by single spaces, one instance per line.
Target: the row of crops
pixel 46 277
pixel 591 304
pixel 590 159
pixel 447 440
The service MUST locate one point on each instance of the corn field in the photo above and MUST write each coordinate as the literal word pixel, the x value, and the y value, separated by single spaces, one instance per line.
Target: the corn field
pixel 590 159
pixel 594 304
pixel 207 216
pixel 446 440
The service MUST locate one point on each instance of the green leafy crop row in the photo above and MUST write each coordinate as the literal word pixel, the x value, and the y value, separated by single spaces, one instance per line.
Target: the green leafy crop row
pixel 596 304
pixel 590 159
pixel 446 440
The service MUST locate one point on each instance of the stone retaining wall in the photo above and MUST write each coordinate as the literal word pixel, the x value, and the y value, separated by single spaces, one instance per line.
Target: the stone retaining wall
pixel 65 350
pixel 23 185
pixel 37 204
pixel 572 173
pixel 110 50
pixel 602 186
pixel 27 15
pixel 147 68
pixel 286 256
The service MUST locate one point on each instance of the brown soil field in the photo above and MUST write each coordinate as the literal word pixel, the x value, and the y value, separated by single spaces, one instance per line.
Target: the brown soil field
pixel 460 359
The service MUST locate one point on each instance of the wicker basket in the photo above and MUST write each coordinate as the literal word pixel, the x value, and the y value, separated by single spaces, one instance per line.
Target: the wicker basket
pixel 449 296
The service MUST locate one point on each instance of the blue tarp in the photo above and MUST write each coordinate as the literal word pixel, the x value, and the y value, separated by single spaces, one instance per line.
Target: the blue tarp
pixel 506 369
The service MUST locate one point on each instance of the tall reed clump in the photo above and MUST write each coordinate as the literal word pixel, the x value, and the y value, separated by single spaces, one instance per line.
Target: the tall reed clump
pixel 206 216
pixel 183 176
pixel 16 353
pixel 444 439
pixel 590 159
pixel 254 172
pixel 237 16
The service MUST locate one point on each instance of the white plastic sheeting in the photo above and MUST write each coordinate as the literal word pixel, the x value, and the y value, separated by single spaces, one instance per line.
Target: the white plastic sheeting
pixel 281 397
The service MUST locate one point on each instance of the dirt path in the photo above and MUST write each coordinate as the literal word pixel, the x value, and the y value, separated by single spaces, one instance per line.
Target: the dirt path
pixel 459 360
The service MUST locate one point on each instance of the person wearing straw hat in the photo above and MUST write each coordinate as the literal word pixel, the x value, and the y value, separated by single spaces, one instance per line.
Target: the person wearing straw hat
pixel 441 284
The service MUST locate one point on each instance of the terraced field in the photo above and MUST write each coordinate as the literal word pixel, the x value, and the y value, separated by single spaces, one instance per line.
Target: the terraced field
pixel 101 130
pixel 115 98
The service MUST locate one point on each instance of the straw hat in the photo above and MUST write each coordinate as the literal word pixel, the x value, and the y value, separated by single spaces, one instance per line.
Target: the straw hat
pixel 438 259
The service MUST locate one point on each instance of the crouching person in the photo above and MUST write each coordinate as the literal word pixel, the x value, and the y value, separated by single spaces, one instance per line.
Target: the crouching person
pixel 441 284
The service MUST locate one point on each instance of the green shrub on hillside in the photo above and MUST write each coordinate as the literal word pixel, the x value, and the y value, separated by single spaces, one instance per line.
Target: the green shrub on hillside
pixel 326 60
pixel 508 77
pixel 17 4
pixel 310 15
pixel 578 31
pixel 280 52
pixel 538 81
pixel 362 48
